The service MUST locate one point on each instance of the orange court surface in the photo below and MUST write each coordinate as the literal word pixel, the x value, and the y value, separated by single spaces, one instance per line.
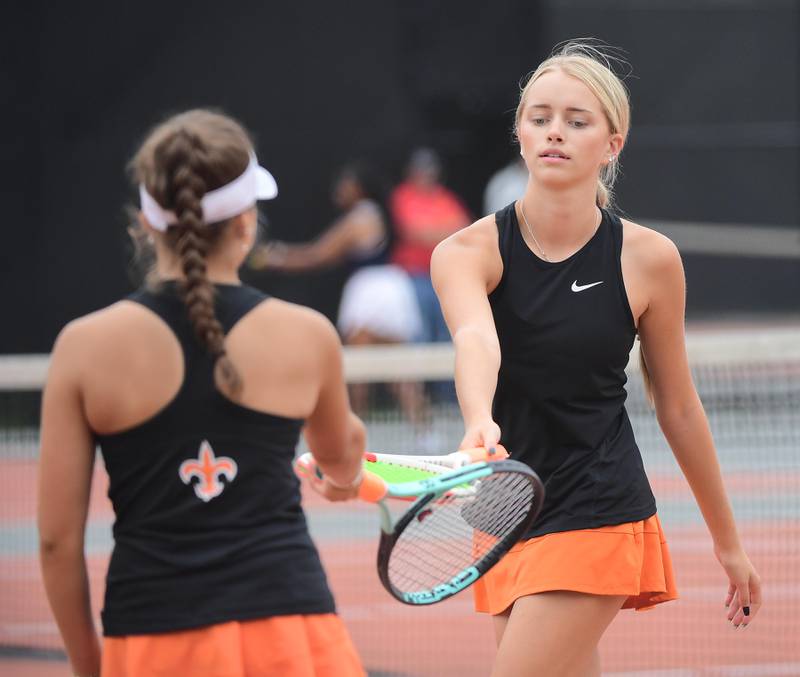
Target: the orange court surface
pixel 690 637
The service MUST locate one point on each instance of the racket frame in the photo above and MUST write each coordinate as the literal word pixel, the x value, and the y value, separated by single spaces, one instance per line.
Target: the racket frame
pixel 439 486
pixel 456 459
pixel 425 491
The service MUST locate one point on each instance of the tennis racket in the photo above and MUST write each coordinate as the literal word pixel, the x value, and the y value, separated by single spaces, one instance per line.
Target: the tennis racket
pixel 397 468
pixel 461 522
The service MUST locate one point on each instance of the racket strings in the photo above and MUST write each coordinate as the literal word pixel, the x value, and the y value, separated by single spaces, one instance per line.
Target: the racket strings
pixel 455 532
pixel 454 544
pixel 444 557
pixel 506 507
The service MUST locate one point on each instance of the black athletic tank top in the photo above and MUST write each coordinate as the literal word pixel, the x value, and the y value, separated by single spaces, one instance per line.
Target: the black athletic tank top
pixel 376 255
pixel 208 524
pixel 565 332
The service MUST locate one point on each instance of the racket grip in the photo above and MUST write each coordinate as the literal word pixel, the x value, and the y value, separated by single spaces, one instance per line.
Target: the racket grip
pixel 372 488
pixel 497 453
pixel 304 465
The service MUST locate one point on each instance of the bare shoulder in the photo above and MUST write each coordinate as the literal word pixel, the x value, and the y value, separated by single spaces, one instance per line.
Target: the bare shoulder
pixel 95 340
pixel 481 235
pixel 99 327
pixel 366 210
pixel 648 249
pixel 471 253
pixel 284 343
pixel 277 317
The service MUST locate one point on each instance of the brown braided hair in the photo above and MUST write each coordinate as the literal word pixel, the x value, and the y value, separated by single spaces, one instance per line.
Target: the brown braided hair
pixel 180 161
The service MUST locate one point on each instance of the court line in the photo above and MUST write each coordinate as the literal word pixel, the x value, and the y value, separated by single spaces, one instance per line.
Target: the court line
pixel 752 670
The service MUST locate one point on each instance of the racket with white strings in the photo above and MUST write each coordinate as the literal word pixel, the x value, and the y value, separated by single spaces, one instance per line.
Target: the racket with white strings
pixel 461 522
pixel 397 468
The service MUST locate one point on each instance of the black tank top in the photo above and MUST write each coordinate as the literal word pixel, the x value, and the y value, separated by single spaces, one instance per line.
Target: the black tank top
pixel 208 525
pixel 565 332
pixel 376 255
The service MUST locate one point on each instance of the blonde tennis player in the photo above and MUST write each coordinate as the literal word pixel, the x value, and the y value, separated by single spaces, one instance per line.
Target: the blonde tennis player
pixel 544 300
pixel 195 388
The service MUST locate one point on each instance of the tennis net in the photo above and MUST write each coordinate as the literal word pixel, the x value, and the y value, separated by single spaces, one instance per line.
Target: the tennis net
pixel 749 381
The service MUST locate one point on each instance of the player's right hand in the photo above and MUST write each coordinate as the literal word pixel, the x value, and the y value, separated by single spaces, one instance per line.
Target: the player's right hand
pixel 484 434
pixel 330 490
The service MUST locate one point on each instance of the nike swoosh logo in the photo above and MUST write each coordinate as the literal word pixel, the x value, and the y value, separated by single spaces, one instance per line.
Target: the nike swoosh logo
pixel 581 287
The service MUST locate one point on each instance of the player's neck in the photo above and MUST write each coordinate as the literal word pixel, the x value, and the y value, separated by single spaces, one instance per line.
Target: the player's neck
pixel 216 271
pixel 560 217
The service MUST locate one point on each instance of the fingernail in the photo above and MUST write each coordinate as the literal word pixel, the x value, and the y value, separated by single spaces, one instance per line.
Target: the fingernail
pixel 317 472
pixel 746 610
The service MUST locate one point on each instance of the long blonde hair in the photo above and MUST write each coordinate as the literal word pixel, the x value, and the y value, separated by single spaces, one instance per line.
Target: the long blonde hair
pixel 592 65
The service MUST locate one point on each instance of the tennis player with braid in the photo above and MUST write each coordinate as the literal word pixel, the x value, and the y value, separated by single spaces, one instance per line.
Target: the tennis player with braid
pixel 196 389
pixel 544 300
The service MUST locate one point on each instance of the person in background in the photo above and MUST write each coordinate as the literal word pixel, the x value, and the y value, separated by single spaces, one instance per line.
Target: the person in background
pixel 505 185
pixel 424 213
pixel 196 388
pixel 379 305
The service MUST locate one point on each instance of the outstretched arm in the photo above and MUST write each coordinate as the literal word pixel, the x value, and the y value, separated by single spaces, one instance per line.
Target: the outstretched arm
pixel 683 420
pixel 65 475
pixel 356 230
pixel 465 268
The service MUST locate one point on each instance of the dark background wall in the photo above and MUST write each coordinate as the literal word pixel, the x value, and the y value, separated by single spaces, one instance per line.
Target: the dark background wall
pixel 715 136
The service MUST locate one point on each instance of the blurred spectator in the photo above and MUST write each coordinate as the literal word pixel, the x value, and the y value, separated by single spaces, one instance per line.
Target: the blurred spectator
pixel 424 213
pixel 505 186
pixel 378 304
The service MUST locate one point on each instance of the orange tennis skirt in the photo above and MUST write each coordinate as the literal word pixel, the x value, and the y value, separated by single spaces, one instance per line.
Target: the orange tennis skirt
pixel 315 645
pixel 626 559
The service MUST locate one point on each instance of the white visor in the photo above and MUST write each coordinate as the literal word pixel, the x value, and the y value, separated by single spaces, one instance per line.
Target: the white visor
pixel 256 183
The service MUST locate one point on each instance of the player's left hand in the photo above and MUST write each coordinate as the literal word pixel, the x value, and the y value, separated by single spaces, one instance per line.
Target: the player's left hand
pixel 744 590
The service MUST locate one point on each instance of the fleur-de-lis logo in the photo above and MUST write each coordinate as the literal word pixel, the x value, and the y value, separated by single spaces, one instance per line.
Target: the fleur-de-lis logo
pixel 207 468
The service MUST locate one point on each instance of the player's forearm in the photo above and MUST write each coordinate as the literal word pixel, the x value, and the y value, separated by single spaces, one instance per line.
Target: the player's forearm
pixel 476 367
pixel 344 468
pixel 67 586
pixel 689 437
pixel 292 257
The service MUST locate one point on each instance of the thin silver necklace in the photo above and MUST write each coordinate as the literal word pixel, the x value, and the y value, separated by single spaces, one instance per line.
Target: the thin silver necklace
pixel 530 231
